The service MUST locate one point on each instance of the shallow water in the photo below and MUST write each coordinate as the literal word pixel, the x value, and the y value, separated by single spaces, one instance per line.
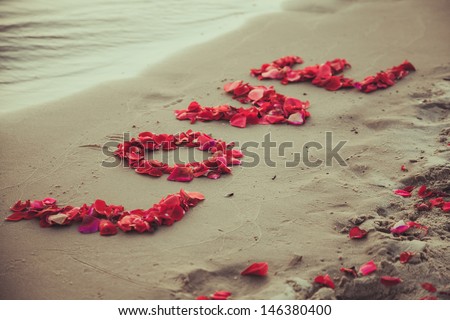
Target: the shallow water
pixel 49 49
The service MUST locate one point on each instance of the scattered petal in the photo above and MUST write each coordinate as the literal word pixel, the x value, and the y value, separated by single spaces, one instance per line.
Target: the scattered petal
pixel 325 280
pixel 428 286
pixel 256 269
pixel 368 268
pixel 446 207
pixel 403 193
pixel 390 281
pixel 429 298
pixel 221 295
pixel 357 233
pixel 400 227
pixel 405 256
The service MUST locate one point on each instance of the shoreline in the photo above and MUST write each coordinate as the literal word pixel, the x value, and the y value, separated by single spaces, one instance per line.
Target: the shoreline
pixel 278 220
pixel 125 62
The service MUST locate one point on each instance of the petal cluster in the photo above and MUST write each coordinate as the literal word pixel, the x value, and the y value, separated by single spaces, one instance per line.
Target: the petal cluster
pixel 326 75
pixel 105 218
pixel 268 107
pixel 223 155
pixel 321 75
pixel 385 79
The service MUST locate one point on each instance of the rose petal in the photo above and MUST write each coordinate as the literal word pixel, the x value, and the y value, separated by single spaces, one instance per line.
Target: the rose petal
pixel 256 269
pixel 428 286
pixel 239 120
pixel 17 216
pixel 89 224
pixel 357 233
pixel 429 298
pixel 325 280
pixel 49 201
pixel 402 193
pixel 296 119
pixel 229 87
pixel 59 218
pixel 400 227
pixel 107 228
pixel 390 281
pixel 221 295
pixel 181 174
pixel 368 268
pixel 446 207
pixel 405 256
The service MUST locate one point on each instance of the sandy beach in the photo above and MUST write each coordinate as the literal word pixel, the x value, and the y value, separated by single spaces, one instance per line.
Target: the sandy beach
pixel 295 218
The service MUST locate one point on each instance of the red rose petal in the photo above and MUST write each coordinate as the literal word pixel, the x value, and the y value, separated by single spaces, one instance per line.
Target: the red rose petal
pixel 325 280
pixel 428 286
pixel 390 281
pixel 437 202
pixel 181 174
pixel 107 228
pixel 357 233
pixel 368 268
pixel 49 201
pixel 229 87
pixel 17 216
pixel 446 207
pixel 429 298
pixel 405 256
pixel 239 120
pixel 221 295
pixel 400 227
pixel 20 206
pixel 256 269
pixel 402 193
pixel 202 298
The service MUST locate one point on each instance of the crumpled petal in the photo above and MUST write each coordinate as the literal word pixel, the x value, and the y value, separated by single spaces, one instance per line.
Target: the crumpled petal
pixel 256 269
pixel 405 256
pixel 325 280
pixel 357 233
